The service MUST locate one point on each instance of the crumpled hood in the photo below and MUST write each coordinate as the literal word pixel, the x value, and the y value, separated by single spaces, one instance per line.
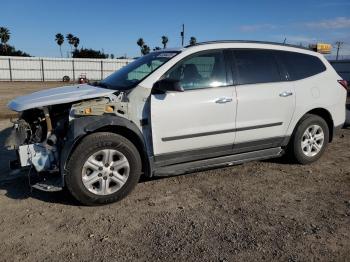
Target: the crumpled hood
pixel 59 95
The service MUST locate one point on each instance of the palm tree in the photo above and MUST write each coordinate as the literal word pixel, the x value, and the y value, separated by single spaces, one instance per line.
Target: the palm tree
pixel 193 40
pixel 69 38
pixel 140 43
pixel 4 37
pixel 145 50
pixel 60 40
pixel 76 42
pixel 165 40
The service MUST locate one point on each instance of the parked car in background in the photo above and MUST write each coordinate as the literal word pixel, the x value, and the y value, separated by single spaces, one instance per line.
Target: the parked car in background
pixel 178 110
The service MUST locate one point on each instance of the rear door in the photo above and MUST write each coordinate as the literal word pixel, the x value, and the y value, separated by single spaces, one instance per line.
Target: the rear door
pixel 203 116
pixel 266 100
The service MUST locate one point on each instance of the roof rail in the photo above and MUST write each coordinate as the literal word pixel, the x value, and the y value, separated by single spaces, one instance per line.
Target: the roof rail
pixel 247 41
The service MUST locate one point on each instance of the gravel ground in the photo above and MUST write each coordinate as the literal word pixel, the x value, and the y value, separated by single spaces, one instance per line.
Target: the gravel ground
pixel 267 210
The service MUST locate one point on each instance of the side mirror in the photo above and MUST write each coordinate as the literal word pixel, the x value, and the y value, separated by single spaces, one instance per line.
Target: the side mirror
pixel 164 85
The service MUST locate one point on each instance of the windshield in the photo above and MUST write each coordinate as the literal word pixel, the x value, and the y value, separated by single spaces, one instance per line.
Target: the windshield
pixel 132 74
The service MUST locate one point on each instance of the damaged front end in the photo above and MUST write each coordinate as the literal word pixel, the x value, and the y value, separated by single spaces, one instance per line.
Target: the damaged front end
pixel 34 137
pixel 43 137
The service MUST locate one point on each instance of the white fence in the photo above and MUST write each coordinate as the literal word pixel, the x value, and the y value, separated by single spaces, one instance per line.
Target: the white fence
pixel 54 69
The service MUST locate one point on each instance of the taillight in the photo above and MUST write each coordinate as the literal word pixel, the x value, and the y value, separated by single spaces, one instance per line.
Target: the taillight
pixel 344 83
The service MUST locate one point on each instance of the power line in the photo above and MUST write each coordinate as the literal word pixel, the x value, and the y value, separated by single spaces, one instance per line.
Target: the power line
pixel 182 34
pixel 339 45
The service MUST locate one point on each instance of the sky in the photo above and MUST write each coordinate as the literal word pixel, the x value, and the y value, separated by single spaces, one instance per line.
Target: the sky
pixel 115 26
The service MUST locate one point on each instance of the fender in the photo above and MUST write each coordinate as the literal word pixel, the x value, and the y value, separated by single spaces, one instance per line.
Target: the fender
pixel 80 127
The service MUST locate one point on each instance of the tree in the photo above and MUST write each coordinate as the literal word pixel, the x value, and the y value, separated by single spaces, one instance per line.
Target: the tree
pixel 140 43
pixel 11 51
pixel 145 50
pixel 59 40
pixel 88 53
pixel 69 38
pixel 76 42
pixel 193 40
pixel 165 40
pixel 112 56
pixel 4 37
pixel 156 48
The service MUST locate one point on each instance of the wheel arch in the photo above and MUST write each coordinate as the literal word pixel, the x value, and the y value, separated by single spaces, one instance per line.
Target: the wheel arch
pixel 323 113
pixel 82 127
pixel 134 138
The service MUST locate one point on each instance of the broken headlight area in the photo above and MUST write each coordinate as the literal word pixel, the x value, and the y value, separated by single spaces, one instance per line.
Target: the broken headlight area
pixel 35 138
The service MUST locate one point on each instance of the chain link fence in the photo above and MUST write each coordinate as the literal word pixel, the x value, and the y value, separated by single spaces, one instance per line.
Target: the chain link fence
pixel 54 69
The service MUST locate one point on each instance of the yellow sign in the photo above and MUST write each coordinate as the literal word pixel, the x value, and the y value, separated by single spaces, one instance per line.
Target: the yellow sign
pixel 322 48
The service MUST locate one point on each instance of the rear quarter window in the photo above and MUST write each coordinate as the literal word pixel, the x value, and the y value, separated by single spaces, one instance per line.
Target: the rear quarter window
pixel 300 66
pixel 256 66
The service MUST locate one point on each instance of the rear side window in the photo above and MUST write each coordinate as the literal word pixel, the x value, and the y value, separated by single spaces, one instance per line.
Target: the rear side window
pixel 301 66
pixel 256 66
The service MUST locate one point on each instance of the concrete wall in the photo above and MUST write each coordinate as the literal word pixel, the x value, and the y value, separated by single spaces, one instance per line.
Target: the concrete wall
pixel 54 69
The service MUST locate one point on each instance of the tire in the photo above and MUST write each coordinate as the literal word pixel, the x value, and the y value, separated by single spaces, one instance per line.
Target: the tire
pixel 312 148
pixel 91 186
pixel 66 79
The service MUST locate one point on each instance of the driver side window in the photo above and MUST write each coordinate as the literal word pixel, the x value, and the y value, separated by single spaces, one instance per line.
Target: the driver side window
pixel 202 70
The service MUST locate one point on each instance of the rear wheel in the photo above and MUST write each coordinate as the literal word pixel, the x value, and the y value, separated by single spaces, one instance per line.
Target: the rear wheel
pixel 309 140
pixel 103 168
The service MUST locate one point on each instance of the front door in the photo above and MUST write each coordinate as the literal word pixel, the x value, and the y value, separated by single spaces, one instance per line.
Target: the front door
pixel 201 117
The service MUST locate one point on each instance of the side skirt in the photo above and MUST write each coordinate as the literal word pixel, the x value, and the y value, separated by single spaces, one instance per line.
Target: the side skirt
pixel 222 161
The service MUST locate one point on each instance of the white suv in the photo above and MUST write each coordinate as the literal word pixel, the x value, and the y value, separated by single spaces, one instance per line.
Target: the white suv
pixel 178 110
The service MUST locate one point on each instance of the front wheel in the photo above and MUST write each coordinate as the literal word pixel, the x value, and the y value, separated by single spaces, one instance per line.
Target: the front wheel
pixel 309 140
pixel 103 168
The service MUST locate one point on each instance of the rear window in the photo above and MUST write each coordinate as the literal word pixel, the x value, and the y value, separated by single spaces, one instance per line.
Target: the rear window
pixel 256 66
pixel 301 66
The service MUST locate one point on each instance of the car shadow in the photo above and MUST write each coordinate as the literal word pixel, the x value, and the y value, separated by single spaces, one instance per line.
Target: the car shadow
pixel 5 154
pixel 18 188
pixel 283 160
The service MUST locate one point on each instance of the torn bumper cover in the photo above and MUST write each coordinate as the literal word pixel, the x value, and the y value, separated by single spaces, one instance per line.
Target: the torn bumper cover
pixel 39 155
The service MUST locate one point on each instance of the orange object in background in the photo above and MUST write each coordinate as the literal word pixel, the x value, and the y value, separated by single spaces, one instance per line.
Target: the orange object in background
pixel 322 48
pixel 83 79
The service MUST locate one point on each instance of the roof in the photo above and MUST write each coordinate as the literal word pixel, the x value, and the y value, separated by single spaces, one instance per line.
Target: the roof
pixel 247 42
pixel 175 49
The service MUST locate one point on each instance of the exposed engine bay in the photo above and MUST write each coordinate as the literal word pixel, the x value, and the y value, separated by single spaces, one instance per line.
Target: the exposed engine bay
pixel 39 134
pixel 35 136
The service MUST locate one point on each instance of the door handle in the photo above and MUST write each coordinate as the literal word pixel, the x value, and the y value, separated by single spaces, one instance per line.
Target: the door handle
pixel 223 100
pixel 286 93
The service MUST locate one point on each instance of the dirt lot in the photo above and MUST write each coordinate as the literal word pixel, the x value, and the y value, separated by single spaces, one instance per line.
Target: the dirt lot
pixel 266 210
pixel 10 90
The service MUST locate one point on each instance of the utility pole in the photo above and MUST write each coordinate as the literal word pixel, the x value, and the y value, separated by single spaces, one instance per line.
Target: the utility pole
pixel 182 34
pixel 339 45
